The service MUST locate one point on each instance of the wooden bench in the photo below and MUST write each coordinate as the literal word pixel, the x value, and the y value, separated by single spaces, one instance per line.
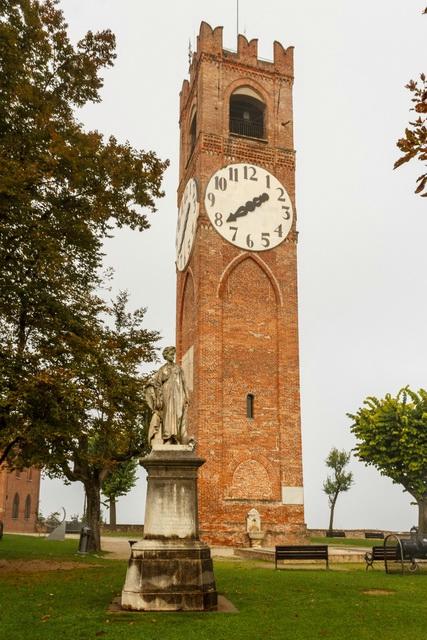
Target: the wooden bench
pixel 374 534
pixel 302 552
pixel 335 534
pixel 380 553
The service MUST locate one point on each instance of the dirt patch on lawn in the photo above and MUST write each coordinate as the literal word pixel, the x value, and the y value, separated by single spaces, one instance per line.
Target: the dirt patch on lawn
pixel 378 592
pixel 36 566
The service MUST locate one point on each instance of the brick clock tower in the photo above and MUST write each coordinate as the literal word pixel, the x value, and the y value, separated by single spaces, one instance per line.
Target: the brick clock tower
pixel 237 321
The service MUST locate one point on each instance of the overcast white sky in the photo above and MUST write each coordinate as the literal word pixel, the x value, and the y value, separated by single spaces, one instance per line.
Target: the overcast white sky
pixel 362 248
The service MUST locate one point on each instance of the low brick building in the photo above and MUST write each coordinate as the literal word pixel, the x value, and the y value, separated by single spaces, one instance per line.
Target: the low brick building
pixel 19 499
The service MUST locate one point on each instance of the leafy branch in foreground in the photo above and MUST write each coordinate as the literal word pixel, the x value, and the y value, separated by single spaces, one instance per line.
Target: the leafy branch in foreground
pixel 414 143
pixel 63 190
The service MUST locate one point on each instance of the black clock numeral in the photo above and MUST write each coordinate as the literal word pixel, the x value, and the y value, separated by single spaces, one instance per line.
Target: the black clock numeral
pixel 282 197
pixel 211 198
pixel 218 219
pixel 279 231
pixel 265 239
pixel 287 213
pixel 267 181
pixel 220 183
pixel 249 173
pixel 249 241
pixel 233 174
pixel 235 229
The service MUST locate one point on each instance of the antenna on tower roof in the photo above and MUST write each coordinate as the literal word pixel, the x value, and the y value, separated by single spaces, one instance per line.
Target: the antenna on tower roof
pixel 190 52
pixel 237 17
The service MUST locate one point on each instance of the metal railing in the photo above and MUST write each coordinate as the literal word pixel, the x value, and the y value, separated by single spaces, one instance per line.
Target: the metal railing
pixel 246 128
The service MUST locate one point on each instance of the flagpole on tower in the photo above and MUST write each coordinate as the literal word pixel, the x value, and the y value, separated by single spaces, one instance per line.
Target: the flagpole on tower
pixel 237 17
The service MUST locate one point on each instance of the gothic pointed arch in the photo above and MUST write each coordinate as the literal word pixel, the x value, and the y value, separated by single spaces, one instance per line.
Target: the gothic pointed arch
pixel 188 327
pixel 187 312
pixel 261 264
pixel 15 506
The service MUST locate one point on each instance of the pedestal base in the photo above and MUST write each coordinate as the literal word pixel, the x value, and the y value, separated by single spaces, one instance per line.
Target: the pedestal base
pixel 169 575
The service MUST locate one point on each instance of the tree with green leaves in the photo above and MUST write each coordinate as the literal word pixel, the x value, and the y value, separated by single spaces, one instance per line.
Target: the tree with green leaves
pixel 391 436
pixel 340 480
pixel 118 483
pixel 89 413
pixel 414 144
pixel 63 190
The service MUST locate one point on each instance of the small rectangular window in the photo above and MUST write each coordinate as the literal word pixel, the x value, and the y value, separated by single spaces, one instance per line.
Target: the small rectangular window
pixel 250 405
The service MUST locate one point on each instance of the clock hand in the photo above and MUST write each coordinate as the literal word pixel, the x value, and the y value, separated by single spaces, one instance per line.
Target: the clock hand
pixel 250 205
pixel 185 227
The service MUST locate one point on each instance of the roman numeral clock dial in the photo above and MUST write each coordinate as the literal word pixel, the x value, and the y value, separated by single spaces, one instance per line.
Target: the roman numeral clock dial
pixel 249 207
pixel 186 225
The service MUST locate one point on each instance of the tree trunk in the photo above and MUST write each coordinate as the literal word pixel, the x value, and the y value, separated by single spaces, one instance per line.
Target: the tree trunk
pixel 331 516
pixel 422 516
pixel 93 510
pixel 113 520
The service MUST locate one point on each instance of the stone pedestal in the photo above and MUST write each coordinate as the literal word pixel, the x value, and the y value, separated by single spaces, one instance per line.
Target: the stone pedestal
pixel 170 569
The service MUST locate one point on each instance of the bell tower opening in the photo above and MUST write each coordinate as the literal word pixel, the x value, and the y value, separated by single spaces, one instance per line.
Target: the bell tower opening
pixel 247 114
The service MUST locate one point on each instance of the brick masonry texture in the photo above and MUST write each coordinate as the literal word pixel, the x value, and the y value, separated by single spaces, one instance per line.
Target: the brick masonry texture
pixel 238 309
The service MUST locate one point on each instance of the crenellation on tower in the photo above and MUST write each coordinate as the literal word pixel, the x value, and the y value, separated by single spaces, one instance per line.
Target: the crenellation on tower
pixel 210 44
pixel 247 52
pixel 283 59
pixel 209 40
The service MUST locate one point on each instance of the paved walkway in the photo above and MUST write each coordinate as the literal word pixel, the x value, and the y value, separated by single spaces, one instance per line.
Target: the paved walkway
pixel 118 548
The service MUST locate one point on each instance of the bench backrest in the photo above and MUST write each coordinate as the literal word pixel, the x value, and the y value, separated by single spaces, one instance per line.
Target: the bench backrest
pixel 310 552
pixel 379 553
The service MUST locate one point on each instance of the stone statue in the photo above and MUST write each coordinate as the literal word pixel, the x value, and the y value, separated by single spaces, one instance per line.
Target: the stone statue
pixel 167 396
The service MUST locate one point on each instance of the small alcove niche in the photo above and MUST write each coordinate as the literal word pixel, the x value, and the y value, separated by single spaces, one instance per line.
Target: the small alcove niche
pixel 247 113
pixel 250 400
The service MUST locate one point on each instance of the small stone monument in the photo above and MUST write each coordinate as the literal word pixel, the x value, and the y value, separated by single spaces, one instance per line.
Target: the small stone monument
pixel 58 533
pixel 170 569
pixel 253 528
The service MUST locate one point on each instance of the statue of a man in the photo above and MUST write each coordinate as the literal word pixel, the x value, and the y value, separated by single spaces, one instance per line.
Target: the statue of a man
pixel 167 396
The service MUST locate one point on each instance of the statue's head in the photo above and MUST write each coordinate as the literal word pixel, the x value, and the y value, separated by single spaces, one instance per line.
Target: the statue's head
pixel 169 353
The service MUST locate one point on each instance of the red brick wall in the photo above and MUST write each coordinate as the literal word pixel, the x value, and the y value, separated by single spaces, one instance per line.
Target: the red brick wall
pixel 25 483
pixel 240 313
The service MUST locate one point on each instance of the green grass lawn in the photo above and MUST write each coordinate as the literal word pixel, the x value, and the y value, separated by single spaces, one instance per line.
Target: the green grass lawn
pixel 299 604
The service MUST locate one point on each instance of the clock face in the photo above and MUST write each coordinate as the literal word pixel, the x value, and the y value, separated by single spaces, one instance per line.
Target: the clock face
pixel 186 227
pixel 249 207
